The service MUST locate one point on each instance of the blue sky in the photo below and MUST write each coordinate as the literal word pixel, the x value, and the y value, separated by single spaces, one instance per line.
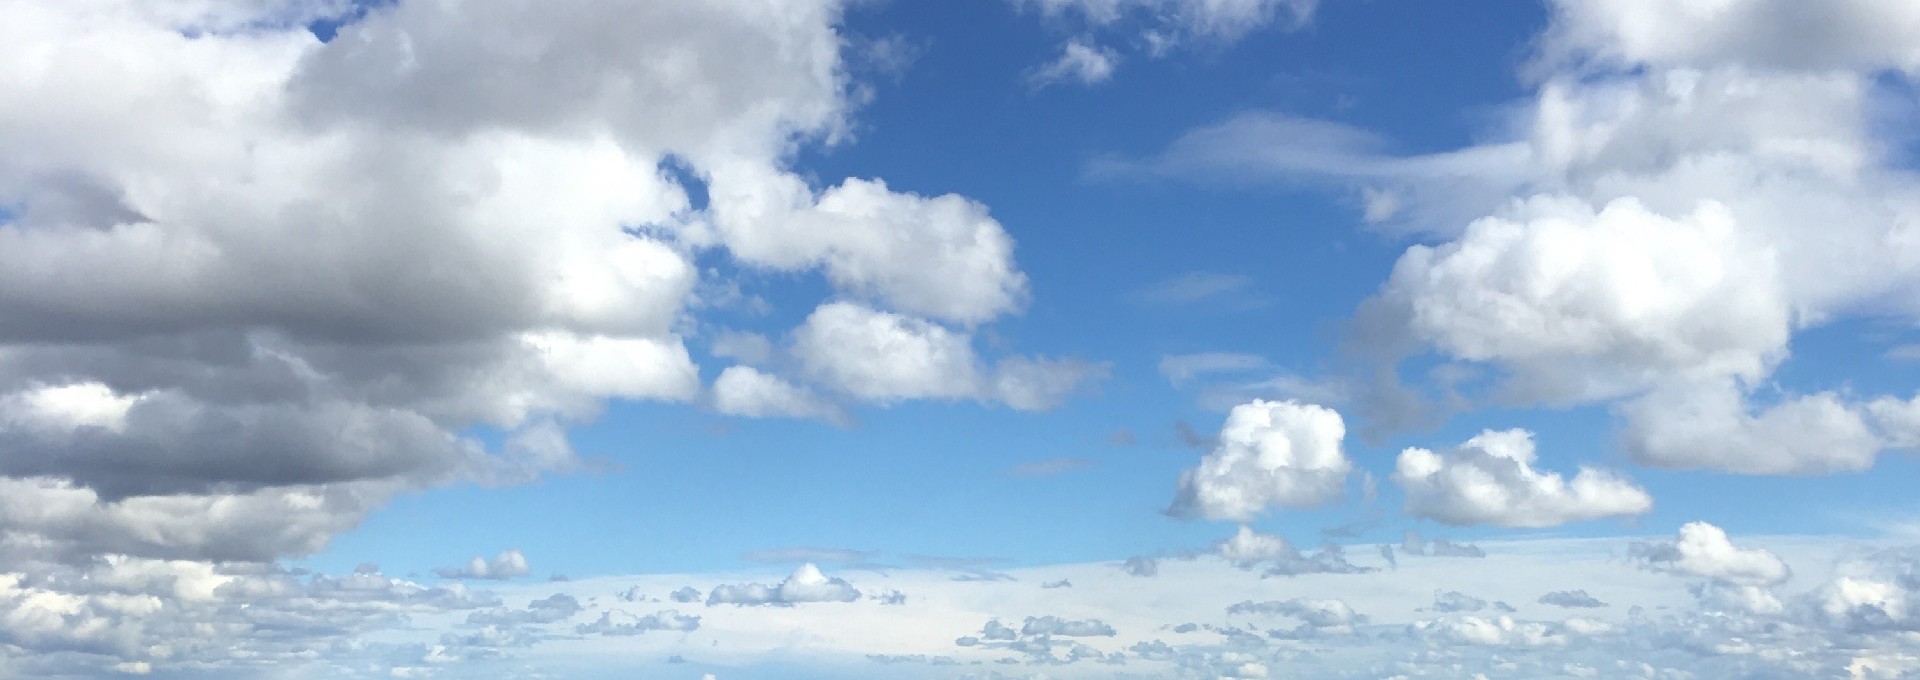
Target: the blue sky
pixel 412 339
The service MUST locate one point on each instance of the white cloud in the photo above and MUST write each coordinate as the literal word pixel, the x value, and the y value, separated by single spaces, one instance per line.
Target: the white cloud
pixel 321 264
pixel 806 584
pixel 1703 550
pixel 883 357
pixel 745 391
pixel 1691 184
pixel 508 564
pixel 942 257
pixel 1270 454
pixel 1173 21
pixel 1709 426
pixel 1086 64
pixel 1490 480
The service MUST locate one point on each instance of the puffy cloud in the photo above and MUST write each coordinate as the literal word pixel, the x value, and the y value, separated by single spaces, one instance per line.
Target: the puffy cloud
pixel 1501 631
pixel 1141 566
pixel 1249 549
pixel 745 391
pixel 1703 550
pixel 1490 480
pixel 883 357
pixel 508 564
pixel 942 257
pixel 1558 294
pixel 1691 184
pixel 323 263
pixel 1270 454
pixel 805 584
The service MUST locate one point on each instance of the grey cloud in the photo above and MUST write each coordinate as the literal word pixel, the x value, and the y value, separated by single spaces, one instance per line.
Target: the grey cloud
pixel 1572 599
pixel 621 623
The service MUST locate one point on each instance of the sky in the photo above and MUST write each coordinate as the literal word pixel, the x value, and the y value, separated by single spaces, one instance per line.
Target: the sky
pixel 1001 339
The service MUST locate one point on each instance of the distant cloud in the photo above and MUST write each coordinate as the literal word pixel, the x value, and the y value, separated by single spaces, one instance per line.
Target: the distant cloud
pixel 1490 479
pixel 508 564
pixel 1572 599
pixel 806 584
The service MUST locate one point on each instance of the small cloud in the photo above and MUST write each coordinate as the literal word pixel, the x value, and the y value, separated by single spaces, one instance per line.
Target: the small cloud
pixel 1199 286
pixel 508 564
pixel 1181 369
pixel 1078 61
pixel 1572 599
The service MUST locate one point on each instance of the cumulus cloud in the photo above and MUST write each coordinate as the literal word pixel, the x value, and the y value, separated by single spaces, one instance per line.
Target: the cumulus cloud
pixel 883 357
pixel 805 584
pixel 1690 185
pixel 1269 454
pixel 1249 549
pixel 1704 550
pixel 318 276
pixel 745 391
pixel 508 564
pixel 1490 480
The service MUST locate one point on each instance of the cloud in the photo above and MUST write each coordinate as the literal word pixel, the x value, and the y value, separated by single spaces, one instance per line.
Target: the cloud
pixel 745 391
pixel 326 264
pixel 1270 454
pixel 1315 615
pixel 1571 599
pixel 621 623
pixel 1703 550
pixel 1054 625
pixel 1193 287
pixel 1847 35
pixel 806 584
pixel 1181 369
pixel 1490 480
pixel 1455 601
pixel 1172 22
pixel 883 358
pixel 1413 543
pixel 1079 62
pixel 1648 231
pixel 508 564
pixel 1141 567
pixel 1249 549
